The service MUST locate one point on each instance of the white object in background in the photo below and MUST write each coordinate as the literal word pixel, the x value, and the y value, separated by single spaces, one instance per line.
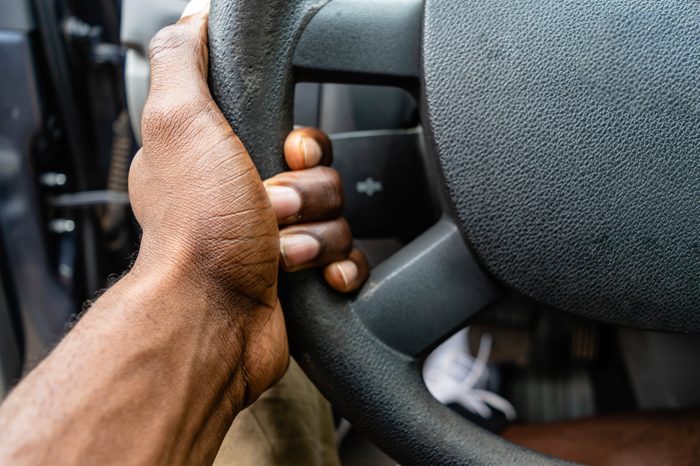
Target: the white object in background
pixel 452 375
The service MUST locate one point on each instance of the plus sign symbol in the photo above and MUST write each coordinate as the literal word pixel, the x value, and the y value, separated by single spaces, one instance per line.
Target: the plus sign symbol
pixel 369 186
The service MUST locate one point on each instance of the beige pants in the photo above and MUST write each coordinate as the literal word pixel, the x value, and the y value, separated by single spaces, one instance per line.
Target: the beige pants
pixel 291 424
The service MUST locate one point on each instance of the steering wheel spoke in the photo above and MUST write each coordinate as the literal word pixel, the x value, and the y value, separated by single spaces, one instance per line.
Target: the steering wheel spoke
pixel 424 292
pixel 362 41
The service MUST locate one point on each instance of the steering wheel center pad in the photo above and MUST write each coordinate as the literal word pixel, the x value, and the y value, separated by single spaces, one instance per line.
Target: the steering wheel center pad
pixel 568 134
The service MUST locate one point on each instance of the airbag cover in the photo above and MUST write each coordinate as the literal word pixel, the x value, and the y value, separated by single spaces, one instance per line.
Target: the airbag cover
pixel 568 134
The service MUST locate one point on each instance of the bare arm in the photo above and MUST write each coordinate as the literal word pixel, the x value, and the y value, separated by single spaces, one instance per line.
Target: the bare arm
pixel 152 374
pixel 156 371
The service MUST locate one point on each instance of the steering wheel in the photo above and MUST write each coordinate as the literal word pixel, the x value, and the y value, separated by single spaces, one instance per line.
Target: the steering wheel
pixel 566 138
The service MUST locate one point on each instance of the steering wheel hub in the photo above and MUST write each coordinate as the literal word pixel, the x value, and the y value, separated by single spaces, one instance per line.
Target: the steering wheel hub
pixel 569 138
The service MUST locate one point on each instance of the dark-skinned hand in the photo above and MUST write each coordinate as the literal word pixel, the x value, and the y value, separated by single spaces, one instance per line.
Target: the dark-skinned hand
pixel 208 218
pixel 157 369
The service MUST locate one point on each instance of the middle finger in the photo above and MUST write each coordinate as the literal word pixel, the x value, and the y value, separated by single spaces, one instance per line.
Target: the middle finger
pixel 306 195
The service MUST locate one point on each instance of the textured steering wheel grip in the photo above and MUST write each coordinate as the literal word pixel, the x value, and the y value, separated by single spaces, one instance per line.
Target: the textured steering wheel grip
pixel 379 390
pixel 251 45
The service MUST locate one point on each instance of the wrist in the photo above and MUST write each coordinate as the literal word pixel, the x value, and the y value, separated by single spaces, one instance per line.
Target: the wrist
pixel 167 268
pixel 176 320
pixel 242 333
pixel 220 321
pixel 190 268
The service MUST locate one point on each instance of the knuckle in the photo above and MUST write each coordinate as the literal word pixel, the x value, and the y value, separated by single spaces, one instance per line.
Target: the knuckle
pixel 345 236
pixel 171 118
pixel 136 162
pixel 156 121
pixel 334 188
pixel 134 169
pixel 333 176
pixel 167 41
pixel 135 183
pixel 343 228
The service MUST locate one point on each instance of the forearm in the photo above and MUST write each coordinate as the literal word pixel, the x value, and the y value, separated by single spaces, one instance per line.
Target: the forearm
pixel 155 372
pixel 150 375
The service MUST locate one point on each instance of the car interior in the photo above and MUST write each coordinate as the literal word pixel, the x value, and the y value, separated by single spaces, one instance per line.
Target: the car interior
pixel 523 176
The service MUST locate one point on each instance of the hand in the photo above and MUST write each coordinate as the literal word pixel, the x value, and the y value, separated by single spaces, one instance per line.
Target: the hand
pixel 307 203
pixel 206 218
pixel 194 332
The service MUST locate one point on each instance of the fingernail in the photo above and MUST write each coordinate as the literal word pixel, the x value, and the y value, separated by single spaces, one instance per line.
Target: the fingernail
pixel 194 7
pixel 311 151
pixel 298 249
pixel 285 201
pixel 347 270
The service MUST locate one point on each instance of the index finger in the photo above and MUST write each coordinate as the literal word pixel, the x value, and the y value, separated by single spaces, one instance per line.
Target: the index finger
pixel 307 148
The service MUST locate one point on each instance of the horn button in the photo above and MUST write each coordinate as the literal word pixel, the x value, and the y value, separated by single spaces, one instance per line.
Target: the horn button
pixel 568 134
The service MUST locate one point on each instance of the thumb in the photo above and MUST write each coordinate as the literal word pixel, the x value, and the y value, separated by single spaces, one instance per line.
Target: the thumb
pixel 179 58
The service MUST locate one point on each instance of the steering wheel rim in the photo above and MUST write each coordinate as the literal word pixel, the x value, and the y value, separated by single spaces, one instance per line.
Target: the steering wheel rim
pixel 348 345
